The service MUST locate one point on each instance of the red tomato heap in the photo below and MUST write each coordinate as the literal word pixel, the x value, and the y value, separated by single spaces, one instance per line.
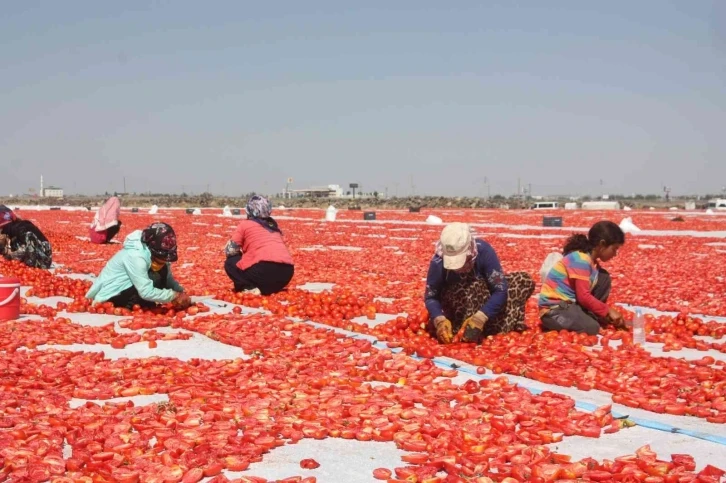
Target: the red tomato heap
pixel 297 381
pixel 300 382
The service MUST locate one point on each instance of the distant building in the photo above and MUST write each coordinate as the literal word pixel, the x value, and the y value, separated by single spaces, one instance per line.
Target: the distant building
pixel 52 192
pixel 601 205
pixel 330 191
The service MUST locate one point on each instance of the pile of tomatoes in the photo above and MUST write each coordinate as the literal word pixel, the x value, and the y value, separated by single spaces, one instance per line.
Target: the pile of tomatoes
pixel 631 374
pixel 299 382
pixel 646 220
pixel 62 331
pixel 393 258
pixel 42 310
pixel 338 304
pixel 678 332
pixel 302 382
pixel 500 354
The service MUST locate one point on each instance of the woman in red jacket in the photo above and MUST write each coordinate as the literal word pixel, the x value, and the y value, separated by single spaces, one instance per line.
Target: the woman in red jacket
pixel 257 258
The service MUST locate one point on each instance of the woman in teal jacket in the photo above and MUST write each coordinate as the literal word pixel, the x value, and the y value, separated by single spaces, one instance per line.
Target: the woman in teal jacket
pixel 140 274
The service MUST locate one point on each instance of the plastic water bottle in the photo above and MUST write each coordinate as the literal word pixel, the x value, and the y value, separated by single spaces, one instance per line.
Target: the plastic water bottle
pixel 639 328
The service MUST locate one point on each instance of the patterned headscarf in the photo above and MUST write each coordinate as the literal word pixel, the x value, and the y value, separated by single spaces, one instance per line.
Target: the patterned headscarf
pixel 473 250
pixel 6 215
pixel 161 240
pixel 258 207
pixel 259 210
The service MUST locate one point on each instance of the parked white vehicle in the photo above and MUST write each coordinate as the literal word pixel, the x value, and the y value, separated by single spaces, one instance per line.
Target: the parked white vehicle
pixel 717 204
pixel 545 205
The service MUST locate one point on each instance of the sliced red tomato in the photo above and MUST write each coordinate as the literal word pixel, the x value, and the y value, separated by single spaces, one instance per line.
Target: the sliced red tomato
pixel 309 464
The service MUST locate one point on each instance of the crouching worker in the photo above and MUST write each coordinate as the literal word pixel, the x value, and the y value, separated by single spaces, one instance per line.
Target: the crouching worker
pixel 106 223
pixel 257 259
pixel 575 290
pixel 140 273
pixel 21 240
pixel 467 292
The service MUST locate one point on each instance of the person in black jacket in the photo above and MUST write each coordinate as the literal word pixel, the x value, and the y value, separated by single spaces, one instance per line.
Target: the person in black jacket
pixel 21 240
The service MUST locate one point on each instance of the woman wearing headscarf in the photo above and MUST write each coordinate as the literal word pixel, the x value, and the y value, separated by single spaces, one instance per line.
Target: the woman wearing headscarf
pixel 21 240
pixel 467 293
pixel 140 273
pixel 257 258
pixel 106 223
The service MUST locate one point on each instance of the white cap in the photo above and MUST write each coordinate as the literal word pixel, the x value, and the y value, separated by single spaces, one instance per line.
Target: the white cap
pixel 456 242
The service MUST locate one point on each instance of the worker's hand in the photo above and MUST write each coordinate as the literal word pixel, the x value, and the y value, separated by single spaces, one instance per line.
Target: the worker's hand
pixel 474 326
pixel 231 249
pixel 4 241
pixel 443 329
pixel 616 318
pixel 182 301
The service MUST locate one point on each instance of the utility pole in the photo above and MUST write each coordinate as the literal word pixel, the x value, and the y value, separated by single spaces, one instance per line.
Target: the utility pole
pixel 124 184
pixel 519 186
pixel 413 187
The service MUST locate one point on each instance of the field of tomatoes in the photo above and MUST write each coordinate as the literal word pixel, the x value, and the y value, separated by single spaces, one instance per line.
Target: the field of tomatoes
pixel 304 382
pixel 646 220
pixel 392 258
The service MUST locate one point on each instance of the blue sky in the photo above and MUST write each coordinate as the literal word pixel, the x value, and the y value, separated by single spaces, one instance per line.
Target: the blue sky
pixel 241 95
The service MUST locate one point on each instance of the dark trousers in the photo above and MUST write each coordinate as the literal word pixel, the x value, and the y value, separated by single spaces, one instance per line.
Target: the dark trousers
pixel 268 277
pixel 113 231
pixel 571 316
pixel 105 236
pixel 130 297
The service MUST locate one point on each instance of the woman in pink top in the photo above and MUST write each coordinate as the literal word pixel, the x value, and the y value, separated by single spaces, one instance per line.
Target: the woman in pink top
pixel 257 258
pixel 106 223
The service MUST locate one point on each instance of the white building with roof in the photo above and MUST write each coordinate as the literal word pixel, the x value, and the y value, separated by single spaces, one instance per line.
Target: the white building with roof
pixel 52 192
